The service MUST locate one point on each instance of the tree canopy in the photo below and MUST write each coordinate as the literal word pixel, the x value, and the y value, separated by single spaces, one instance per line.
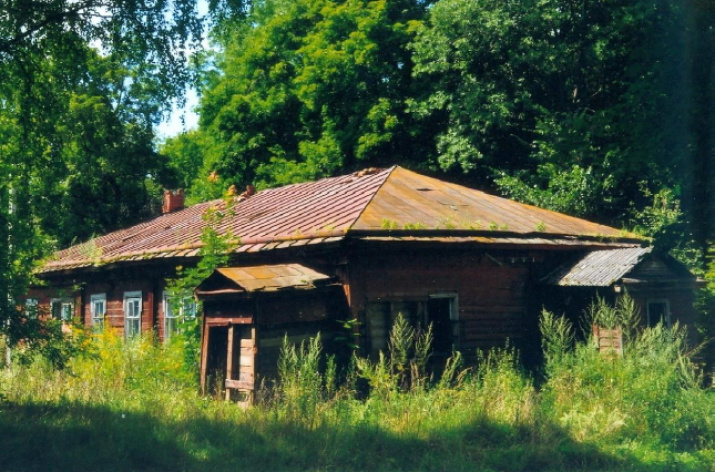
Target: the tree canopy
pixel 598 109
pixel 583 107
pixel 308 88
pixel 81 85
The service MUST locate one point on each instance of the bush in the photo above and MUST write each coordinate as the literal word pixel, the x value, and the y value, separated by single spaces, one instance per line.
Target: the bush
pixel 651 391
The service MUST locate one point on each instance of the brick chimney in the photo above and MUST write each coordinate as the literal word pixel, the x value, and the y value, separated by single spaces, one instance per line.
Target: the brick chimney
pixel 173 201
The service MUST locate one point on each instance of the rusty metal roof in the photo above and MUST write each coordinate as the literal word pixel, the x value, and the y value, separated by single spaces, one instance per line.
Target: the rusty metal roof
pixel 266 278
pixel 392 201
pixel 408 200
pixel 599 268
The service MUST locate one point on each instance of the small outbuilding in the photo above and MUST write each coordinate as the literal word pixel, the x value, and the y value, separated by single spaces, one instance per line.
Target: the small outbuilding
pixel 662 288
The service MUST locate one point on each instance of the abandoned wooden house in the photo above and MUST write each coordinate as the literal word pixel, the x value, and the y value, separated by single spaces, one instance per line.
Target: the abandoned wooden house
pixel 365 246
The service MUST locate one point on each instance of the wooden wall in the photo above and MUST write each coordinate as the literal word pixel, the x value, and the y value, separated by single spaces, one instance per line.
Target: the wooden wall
pixel 257 329
pixel 113 284
pixel 490 287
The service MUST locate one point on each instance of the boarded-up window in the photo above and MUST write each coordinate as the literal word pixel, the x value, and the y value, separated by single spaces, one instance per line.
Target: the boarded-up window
pixel 382 314
pixel 440 310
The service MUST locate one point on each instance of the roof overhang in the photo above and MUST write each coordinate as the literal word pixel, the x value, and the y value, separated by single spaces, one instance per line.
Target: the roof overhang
pixel 244 281
pixel 601 268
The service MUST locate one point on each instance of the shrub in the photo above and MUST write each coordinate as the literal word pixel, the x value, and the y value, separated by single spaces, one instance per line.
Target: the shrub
pixel 651 391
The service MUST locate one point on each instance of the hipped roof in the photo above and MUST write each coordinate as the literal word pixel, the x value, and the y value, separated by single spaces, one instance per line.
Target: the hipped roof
pixel 376 203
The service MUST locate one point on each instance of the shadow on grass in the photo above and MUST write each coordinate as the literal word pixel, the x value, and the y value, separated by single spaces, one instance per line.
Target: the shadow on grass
pixel 71 436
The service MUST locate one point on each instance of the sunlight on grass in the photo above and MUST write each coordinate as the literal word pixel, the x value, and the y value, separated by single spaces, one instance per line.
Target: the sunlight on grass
pixel 133 405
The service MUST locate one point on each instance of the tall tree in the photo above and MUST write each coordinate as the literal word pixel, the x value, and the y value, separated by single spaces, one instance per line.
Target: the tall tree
pixel 309 87
pixel 81 84
pixel 570 105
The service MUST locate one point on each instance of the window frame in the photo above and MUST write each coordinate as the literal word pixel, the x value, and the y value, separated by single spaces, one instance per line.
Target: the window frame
pixel 453 297
pixel 97 322
pixel 170 317
pixel 32 308
pixel 131 331
pixel 666 318
pixel 420 318
pixel 63 302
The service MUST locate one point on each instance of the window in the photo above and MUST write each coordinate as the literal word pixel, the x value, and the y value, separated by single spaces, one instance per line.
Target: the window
pixel 98 307
pixel 438 309
pixel 32 305
pixel 132 314
pixel 62 309
pixel 442 312
pixel 658 311
pixel 176 309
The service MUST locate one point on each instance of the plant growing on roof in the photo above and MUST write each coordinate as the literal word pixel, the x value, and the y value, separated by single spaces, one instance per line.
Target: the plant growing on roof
pixel 389 224
pixel 90 251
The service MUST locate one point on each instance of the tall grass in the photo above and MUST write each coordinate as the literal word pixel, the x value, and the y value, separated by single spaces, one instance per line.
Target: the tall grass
pixel 133 405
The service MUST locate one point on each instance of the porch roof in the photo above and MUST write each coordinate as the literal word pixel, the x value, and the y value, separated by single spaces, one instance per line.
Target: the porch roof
pixel 264 278
pixel 598 268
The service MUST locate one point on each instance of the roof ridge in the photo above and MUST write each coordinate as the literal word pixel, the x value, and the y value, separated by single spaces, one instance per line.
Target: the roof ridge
pixel 389 172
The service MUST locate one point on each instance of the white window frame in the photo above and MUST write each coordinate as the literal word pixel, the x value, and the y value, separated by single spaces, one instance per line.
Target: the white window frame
pixel 66 310
pixel 187 309
pixel 666 302
pixel 32 306
pixel 132 321
pixel 97 320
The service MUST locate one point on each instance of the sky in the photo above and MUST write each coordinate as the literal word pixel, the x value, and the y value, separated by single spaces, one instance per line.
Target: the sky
pixel 173 125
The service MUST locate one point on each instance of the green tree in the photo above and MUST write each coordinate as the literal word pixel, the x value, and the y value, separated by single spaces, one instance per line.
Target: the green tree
pixel 566 105
pixel 81 85
pixel 310 87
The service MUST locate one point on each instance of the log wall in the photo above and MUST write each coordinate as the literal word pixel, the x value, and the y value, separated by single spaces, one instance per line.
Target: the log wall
pixel 489 285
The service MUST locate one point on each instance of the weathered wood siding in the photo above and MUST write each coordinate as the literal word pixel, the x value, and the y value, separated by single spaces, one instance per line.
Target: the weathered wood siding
pixel 114 315
pixel 297 318
pixel 45 295
pixel 152 312
pixel 489 285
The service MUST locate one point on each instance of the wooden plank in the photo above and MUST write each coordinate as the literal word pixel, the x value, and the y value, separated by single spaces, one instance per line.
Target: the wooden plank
pixel 239 384
pixel 229 358
pixel 246 359
pixel 246 375
pixel 204 356
pixel 228 320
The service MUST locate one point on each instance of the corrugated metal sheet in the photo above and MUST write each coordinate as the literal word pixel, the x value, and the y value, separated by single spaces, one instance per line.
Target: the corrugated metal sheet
pixel 599 268
pixel 273 277
pixel 328 210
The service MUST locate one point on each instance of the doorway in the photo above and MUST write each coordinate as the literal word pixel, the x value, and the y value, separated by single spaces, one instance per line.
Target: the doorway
pixel 443 315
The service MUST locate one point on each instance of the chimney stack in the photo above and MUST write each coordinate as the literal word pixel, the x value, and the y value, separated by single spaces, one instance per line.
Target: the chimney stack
pixel 173 201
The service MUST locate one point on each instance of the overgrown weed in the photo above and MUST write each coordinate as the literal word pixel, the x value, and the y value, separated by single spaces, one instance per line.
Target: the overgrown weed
pixel 642 411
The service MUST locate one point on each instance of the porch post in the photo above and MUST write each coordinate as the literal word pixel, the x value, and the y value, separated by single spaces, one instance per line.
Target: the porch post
pixel 229 360
pixel 204 355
